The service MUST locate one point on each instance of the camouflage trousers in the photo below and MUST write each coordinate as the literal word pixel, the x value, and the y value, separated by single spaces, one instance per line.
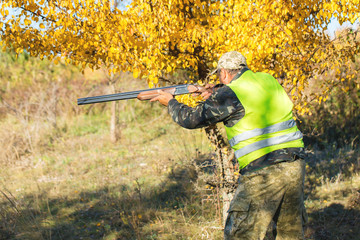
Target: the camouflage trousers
pixel 272 197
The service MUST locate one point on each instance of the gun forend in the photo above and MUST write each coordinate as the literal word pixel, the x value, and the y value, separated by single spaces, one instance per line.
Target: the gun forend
pixel 184 89
pixel 151 94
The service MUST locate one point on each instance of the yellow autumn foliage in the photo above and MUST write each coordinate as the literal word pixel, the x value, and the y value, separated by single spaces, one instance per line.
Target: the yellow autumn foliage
pixel 153 39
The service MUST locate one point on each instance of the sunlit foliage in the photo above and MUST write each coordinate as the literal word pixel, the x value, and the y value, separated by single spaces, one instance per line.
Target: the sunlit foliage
pixel 153 39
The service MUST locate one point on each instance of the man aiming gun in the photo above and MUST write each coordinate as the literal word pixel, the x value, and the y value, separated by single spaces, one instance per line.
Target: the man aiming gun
pixel 257 114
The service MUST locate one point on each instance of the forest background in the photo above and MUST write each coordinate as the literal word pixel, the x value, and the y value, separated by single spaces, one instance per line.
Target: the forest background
pixel 66 173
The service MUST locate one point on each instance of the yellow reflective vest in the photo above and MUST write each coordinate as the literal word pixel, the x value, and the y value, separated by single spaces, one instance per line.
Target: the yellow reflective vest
pixel 268 124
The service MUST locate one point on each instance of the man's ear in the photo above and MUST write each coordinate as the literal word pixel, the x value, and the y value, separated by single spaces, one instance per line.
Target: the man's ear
pixel 227 76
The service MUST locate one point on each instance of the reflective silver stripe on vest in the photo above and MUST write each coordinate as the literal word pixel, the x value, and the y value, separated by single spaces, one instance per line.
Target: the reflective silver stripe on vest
pixel 268 142
pixel 261 131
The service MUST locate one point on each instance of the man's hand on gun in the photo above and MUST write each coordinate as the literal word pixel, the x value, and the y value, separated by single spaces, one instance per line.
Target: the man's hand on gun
pixel 209 90
pixel 165 97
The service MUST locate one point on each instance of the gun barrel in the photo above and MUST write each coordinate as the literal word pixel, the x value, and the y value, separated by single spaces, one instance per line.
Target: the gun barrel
pixel 117 96
pixel 105 98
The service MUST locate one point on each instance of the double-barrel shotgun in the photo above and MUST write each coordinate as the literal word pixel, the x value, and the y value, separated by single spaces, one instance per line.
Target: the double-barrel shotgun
pixel 146 94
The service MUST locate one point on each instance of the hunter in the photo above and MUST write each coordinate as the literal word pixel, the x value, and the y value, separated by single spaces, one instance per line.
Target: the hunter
pixel 257 115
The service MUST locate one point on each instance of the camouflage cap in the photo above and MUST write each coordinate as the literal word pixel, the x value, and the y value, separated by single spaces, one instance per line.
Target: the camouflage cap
pixel 231 60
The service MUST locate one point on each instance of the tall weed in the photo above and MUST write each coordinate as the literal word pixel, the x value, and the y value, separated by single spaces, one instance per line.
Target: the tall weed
pixel 335 122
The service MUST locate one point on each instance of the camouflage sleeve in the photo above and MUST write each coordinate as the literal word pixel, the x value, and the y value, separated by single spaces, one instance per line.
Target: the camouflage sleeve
pixel 222 106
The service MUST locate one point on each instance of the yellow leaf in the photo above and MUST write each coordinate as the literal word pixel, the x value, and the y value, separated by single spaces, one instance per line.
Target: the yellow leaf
pixel 168 69
pixel 42 25
pixel 293 91
pixel 136 73
pixel 288 32
pixel 56 61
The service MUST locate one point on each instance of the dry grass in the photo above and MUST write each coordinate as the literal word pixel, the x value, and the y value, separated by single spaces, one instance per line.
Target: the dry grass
pixel 80 183
pixel 62 178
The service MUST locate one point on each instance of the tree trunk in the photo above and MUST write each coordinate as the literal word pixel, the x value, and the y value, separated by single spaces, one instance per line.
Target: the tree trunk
pixel 53 106
pixel 225 177
pixel 114 121
pixel 227 197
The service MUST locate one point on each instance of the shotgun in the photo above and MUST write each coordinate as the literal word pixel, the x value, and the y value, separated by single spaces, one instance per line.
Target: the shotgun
pixel 146 94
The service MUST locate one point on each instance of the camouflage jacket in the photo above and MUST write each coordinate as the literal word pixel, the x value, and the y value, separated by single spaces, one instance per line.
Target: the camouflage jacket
pixel 224 106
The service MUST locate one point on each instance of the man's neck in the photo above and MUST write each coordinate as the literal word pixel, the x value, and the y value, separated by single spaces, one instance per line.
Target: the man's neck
pixel 236 76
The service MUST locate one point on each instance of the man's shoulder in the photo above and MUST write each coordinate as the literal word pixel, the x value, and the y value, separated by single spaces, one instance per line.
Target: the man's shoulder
pixel 222 91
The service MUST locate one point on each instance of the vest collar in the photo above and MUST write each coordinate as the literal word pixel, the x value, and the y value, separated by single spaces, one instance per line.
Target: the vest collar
pixel 240 73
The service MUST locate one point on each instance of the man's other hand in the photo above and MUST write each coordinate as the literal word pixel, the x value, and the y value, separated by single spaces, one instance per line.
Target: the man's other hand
pixel 209 90
pixel 163 98
pixel 205 95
